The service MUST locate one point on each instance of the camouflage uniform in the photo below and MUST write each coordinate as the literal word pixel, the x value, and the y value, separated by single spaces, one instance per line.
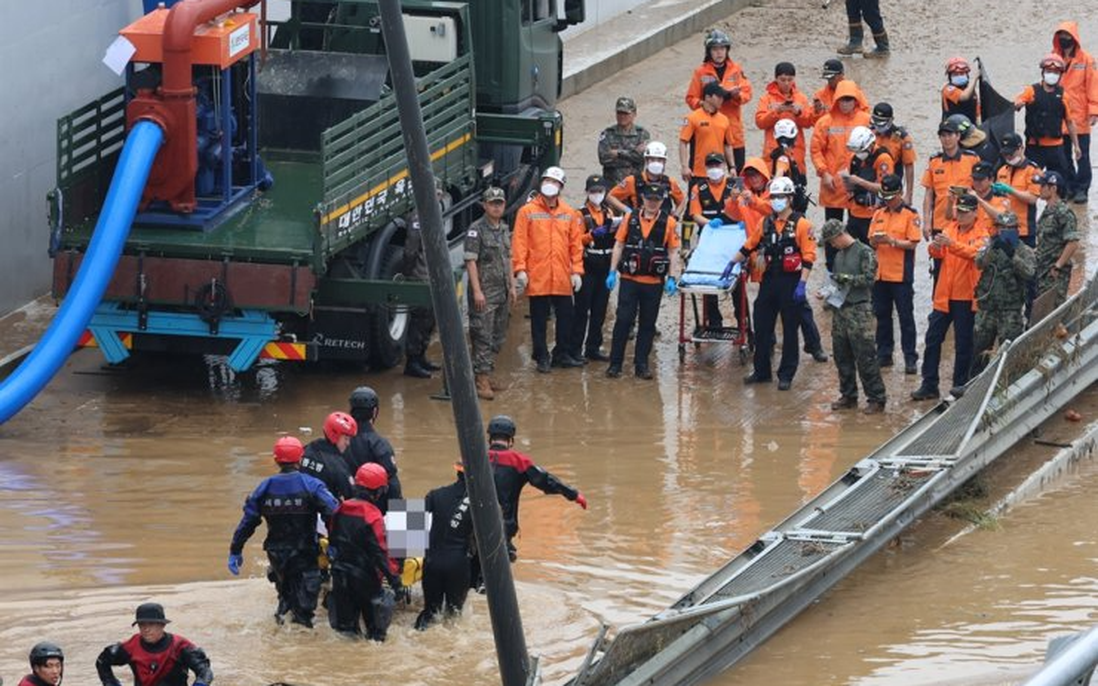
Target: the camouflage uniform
pixel 852 325
pixel 422 319
pixel 490 248
pixel 630 159
pixel 1000 297
pixel 1056 228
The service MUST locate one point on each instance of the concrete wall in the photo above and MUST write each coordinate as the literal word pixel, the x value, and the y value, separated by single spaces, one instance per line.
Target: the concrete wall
pixel 600 12
pixel 51 55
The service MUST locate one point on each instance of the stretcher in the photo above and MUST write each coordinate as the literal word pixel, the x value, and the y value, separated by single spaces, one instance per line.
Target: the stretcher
pixel 704 275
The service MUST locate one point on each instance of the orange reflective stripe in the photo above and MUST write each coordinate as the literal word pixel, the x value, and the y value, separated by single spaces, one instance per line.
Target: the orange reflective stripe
pixel 284 351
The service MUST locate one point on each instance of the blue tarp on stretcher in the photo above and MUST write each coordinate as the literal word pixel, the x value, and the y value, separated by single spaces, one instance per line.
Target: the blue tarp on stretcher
pixel 716 246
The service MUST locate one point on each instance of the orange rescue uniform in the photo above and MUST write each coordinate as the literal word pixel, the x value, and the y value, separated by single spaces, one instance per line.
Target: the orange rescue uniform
pixel 1026 98
pixel 1080 81
pixel 958 275
pixel 802 235
pixel 896 265
pixel 547 245
pixel 670 240
pixel 882 167
pixel 826 95
pixel 829 153
pixel 899 145
pixel 626 190
pixel 705 133
pixel 733 78
pixel 943 172
pixel 768 114
pixel 1021 178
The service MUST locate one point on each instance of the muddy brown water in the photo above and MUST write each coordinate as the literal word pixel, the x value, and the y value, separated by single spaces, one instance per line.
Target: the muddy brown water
pixel 122 485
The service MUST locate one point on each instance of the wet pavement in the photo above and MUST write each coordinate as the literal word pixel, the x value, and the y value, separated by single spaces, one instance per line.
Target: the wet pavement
pixel 121 485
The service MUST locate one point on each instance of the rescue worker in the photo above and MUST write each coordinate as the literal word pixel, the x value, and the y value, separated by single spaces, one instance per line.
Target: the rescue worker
pixel 991 203
pixel 47 663
pixel 954 298
pixel 959 94
pixel 324 457
pixel 851 341
pixel 1006 268
pixel 1057 237
pixel 834 73
pixel 289 503
pixel 870 12
pixel 894 232
pixel 830 154
pixel 360 560
pixel 646 253
pixel 899 144
pixel 1080 82
pixel 367 445
pixel 708 201
pixel 705 131
pixel 512 470
pixel 1016 180
pixel 491 291
pixel 421 324
pixel 718 68
pixel 952 167
pixel 781 100
pixel 786 160
pixel 973 138
pixel 868 165
pixel 625 196
pixel 621 146
pixel 155 657
pixel 599 223
pixel 446 570
pixel 547 261
pixel 1048 114
pixel 786 252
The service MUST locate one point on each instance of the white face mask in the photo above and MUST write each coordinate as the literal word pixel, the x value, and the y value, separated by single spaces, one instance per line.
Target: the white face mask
pixel 655 167
pixel 550 189
pixel 862 155
pixel 779 204
pixel 714 173
pixel 1051 77
pixel 959 80
pixel 596 198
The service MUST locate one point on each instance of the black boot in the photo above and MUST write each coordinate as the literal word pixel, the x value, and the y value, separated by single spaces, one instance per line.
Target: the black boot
pixel 854 44
pixel 882 49
pixel 429 365
pixel 415 369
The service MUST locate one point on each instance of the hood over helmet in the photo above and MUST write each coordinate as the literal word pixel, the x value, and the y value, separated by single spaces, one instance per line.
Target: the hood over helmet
pixel 847 89
pixel 1071 28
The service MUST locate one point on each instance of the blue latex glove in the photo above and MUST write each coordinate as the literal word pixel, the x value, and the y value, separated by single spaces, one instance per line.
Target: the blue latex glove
pixel 714 223
pixel 1000 188
pixel 235 562
pixel 599 231
pixel 611 281
pixel 199 683
pixel 798 292
pixel 671 287
pixel 727 273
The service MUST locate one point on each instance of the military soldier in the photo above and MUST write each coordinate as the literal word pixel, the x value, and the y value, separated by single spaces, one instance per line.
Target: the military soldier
pixel 491 288
pixel 422 323
pixel 621 147
pixel 849 298
pixel 1006 266
pixel 1057 237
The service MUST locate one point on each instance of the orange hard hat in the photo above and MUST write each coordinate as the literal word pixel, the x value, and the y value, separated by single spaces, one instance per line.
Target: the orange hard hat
pixel 372 476
pixel 957 65
pixel 1053 61
pixel 339 424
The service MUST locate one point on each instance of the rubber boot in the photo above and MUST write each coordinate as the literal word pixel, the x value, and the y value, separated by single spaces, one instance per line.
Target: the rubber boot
pixel 854 45
pixel 882 50
pixel 484 387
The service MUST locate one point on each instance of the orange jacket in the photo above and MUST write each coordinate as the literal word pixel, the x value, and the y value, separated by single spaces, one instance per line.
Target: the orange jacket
pixel 829 153
pixel 733 77
pixel 754 212
pixel 883 166
pixel 802 234
pixel 547 245
pixel 705 133
pixel 1079 81
pixel 767 115
pixel 826 95
pixel 958 274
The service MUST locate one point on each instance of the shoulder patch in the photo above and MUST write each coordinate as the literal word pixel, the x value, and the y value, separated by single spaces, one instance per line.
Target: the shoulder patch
pixel 415 225
pixel 471 233
pixel 624 183
pixel 686 121
pixel 602 136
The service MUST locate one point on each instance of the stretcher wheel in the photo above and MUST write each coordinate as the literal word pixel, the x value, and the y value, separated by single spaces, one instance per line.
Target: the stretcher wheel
pixel 682 353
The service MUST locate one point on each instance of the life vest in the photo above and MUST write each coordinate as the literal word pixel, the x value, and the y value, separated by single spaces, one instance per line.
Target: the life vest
pixel 664 181
pixel 969 108
pixel 783 253
pixel 600 247
pixel 1045 115
pixel 712 206
pixel 865 169
pixel 150 668
pixel 642 256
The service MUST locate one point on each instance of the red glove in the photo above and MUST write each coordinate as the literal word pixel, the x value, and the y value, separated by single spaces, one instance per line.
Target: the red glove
pixel 581 501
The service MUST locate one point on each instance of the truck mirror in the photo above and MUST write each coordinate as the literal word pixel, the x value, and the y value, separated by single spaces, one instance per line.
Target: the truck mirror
pixel 574 12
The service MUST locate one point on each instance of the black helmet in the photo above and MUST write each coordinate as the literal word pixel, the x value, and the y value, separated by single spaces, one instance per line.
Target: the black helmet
pixel 364 398
pixel 961 122
pixel 717 38
pixel 502 425
pixel 45 651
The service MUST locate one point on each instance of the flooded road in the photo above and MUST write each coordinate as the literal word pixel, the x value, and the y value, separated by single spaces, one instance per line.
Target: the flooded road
pixel 124 485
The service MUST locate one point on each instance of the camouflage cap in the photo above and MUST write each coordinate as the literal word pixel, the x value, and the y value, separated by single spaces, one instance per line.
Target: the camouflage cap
pixel 625 104
pixel 832 228
pixel 1007 220
pixel 493 194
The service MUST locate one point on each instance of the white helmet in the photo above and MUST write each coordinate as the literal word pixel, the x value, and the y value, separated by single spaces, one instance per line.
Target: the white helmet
pixel 861 139
pixel 783 185
pixel 785 128
pixel 656 149
pixel 555 173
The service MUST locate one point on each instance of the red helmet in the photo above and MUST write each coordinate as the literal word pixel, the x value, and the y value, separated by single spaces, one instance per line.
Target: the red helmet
pixel 1053 61
pixel 288 450
pixel 957 65
pixel 372 476
pixel 339 424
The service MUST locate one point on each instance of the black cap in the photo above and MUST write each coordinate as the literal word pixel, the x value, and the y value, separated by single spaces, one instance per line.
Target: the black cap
pixel 1010 142
pixel 650 190
pixel 714 158
pixel 982 170
pixel 950 126
pixel 1050 178
pixel 784 69
pixel 832 67
pixel 714 88
pixel 152 613
pixel 891 186
pixel 595 181
pixel 967 202
pixel 882 110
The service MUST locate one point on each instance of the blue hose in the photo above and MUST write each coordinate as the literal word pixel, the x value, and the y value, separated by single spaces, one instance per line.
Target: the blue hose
pixel 142 144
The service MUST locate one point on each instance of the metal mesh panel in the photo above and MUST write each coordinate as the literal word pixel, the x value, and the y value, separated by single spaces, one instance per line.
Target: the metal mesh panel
pixel 780 562
pixel 868 502
pixel 633 646
pixel 945 435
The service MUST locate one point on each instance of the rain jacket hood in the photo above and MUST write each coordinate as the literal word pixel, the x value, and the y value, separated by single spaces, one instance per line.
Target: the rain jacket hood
pixel 1067 27
pixel 847 89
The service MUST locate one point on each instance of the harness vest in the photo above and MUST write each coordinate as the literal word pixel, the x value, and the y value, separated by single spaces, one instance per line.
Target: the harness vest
pixel 866 169
pixel 150 668
pixel 642 256
pixel 599 249
pixel 965 107
pixel 712 206
pixel 664 181
pixel 783 254
pixel 1045 115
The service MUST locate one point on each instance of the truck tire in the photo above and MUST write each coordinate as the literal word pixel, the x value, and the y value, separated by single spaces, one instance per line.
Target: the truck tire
pixel 388 324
